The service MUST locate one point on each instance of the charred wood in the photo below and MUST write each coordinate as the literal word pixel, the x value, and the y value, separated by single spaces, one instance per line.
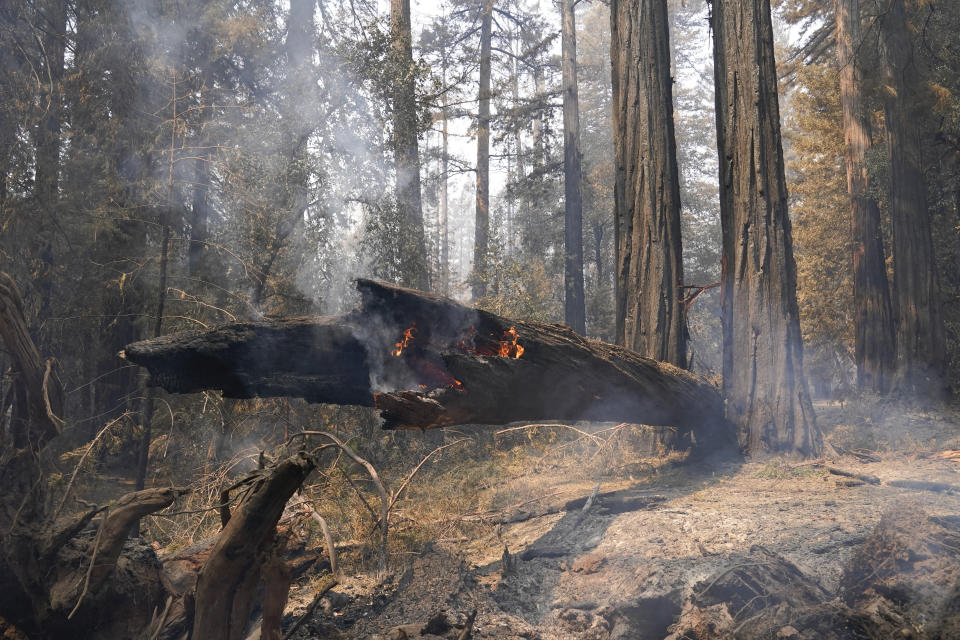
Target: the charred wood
pixel 426 361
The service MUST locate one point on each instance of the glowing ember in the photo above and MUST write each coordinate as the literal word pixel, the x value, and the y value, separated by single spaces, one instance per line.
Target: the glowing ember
pixel 508 346
pixel 405 340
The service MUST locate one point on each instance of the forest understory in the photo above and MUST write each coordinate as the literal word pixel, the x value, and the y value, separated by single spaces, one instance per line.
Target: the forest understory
pixel 862 545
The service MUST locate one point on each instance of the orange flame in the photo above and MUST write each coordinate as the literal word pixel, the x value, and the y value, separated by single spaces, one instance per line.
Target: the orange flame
pixel 405 339
pixel 508 346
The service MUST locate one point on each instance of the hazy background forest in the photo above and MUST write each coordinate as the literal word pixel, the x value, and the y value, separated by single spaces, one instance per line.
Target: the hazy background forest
pixel 169 165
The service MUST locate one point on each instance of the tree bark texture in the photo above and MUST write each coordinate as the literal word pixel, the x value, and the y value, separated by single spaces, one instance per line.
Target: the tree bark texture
pixel 482 227
pixel 574 305
pixel 453 353
pixel 875 349
pixel 764 386
pixel 406 151
pixel 649 315
pixel 921 351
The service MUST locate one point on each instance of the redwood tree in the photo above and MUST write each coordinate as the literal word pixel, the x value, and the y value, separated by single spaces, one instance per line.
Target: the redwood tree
pixel 763 382
pixel 575 314
pixel 406 150
pixel 482 229
pixel 874 349
pixel 921 355
pixel 650 317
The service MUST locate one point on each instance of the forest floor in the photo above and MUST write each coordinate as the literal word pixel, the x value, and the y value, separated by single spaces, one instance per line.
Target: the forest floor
pixel 686 528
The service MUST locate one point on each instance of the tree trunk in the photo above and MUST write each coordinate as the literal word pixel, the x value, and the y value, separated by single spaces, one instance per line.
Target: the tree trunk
pixel 453 353
pixel 764 386
pixel 650 317
pixel 444 190
pixel 52 25
pixel 413 249
pixel 227 583
pixel 921 352
pixel 574 311
pixel 520 171
pixel 482 229
pixel 875 349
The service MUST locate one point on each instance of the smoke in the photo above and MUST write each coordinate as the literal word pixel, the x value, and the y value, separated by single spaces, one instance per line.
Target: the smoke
pixel 286 117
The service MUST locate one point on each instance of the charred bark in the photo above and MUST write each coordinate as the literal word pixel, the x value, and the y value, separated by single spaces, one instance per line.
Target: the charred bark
pixel 764 387
pixel 649 313
pixel 874 349
pixel 547 371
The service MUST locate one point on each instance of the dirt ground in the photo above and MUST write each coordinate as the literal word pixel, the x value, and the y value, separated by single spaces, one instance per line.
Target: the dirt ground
pixel 657 567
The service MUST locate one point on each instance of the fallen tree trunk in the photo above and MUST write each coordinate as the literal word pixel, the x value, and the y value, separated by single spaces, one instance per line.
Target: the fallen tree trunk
pixel 426 361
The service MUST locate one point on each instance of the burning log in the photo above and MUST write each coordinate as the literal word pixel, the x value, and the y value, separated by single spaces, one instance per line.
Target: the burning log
pixel 426 361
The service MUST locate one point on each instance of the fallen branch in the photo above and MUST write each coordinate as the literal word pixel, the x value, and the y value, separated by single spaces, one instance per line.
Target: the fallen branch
pixel 327 583
pixel 849 474
pixel 403 485
pixel 922 485
pixel 327 537
pixel 76 469
pixel 384 498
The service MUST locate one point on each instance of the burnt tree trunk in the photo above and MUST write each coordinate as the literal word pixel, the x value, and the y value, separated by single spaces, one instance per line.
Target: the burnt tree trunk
pixel 875 349
pixel 547 371
pixel 574 306
pixel 649 314
pixel 921 352
pixel 482 225
pixel 413 248
pixel 227 583
pixel 764 386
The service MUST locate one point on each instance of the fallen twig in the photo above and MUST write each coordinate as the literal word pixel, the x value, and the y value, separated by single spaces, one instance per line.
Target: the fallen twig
pixel 93 559
pixel 76 469
pixel 847 474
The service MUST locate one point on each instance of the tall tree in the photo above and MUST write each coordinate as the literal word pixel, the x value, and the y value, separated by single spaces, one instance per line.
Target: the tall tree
pixel 921 360
pixel 874 328
pixel 482 229
pixel 763 381
pixel 414 270
pixel 574 307
pixel 649 314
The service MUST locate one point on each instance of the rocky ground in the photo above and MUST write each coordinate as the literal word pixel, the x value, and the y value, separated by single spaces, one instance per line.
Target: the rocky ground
pixel 706 549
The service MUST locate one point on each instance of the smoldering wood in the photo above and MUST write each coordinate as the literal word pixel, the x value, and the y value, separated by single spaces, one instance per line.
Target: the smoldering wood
pixel 453 354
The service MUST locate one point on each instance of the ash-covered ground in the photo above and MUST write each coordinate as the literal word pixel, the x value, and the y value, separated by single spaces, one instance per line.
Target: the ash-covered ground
pixel 697 550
